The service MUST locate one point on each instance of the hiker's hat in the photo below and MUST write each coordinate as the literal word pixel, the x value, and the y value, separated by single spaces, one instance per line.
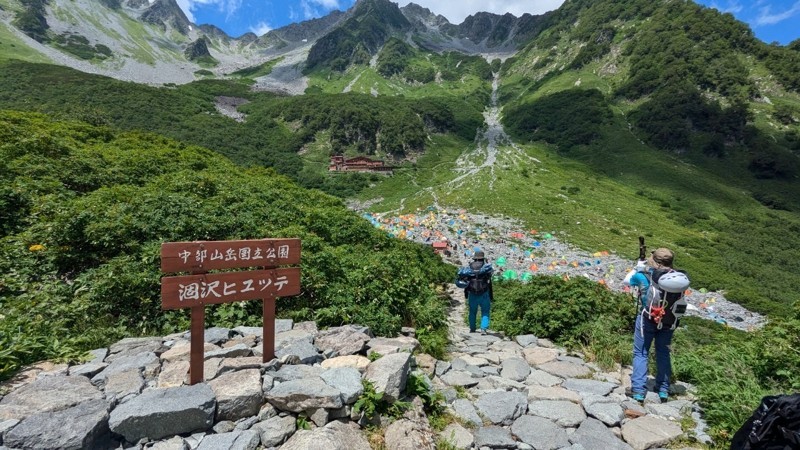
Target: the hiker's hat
pixel 479 255
pixel 660 257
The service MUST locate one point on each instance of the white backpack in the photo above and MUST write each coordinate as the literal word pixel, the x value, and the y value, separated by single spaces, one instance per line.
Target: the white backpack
pixel 665 302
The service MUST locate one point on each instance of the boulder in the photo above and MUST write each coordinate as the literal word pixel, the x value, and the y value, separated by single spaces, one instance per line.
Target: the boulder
pixel 305 351
pixel 230 352
pixel 159 413
pixel 385 346
pixel 585 387
pixel 120 384
pixel 275 430
pixel 347 380
pixel 494 437
pixel 181 351
pixel 335 435
pixel 300 395
pixel 134 346
pixel 216 335
pixel 174 443
pixel 239 394
pixel 174 374
pixel 516 369
pixel 412 432
pixel 541 433
pixel 593 434
pixel 234 440
pixel 647 432
pixel 536 392
pixel 84 425
pixel 459 378
pixel 389 374
pixel 562 412
pixel 527 340
pixel 565 369
pixel 344 340
pixel 426 363
pixel 147 362
pixel 236 364
pixel 604 409
pixel 465 410
pixel 355 361
pixel 502 407
pixel 496 383
pixel 457 436
pixel 296 372
pixel 308 326
pixel 47 394
pixel 87 370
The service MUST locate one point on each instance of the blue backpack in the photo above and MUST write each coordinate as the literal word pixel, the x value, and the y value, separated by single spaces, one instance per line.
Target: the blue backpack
pixel 476 278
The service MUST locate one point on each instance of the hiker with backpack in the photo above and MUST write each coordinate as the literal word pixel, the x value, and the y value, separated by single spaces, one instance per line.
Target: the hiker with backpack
pixel 661 291
pixel 476 280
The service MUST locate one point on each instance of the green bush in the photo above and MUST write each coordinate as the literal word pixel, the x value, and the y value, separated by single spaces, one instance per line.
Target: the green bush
pixel 81 261
pixel 570 312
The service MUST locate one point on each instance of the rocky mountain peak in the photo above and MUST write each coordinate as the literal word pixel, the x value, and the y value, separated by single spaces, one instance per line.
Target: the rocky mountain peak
pixel 167 14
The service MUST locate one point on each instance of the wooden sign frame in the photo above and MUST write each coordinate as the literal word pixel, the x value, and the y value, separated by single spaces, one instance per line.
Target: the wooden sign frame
pixel 201 288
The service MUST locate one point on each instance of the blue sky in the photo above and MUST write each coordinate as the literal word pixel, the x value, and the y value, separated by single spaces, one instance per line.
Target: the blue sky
pixel 771 20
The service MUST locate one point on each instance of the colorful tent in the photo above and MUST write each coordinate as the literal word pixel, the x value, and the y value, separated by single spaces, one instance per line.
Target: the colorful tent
pixel 501 261
pixel 510 275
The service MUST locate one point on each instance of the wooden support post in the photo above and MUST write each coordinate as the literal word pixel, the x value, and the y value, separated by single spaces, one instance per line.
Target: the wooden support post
pixel 268 340
pixel 197 343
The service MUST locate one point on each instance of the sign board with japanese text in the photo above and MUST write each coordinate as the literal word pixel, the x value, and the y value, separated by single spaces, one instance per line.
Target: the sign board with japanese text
pixel 202 256
pixel 214 288
pixel 201 288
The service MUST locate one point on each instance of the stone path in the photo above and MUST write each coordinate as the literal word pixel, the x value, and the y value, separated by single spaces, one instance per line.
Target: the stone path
pixel 526 393
pixel 521 393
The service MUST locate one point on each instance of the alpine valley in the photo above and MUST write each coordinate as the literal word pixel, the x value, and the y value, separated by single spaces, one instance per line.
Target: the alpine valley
pixel 124 125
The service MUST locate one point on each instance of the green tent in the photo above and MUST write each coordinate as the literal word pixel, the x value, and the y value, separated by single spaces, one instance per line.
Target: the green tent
pixel 501 261
pixel 527 276
pixel 509 275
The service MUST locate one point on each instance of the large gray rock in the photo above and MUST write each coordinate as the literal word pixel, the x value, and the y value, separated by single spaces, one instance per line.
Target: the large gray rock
pixel 497 383
pixel 502 407
pixel 345 379
pixel 239 394
pixel 305 351
pixel 134 346
pixel 516 369
pixel 542 378
pixel 389 374
pixel 465 410
pixel 647 432
pixel 173 443
pixel 539 355
pixel 605 409
pixel 335 435
pixel 286 337
pixel 296 372
pixel 120 384
pixel 459 378
pixel 274 431
pixel 148 363
pixel 84 425
pixel 216 335
pixel 160 413
pixel 593 434
pixel 47 394
pixel 585 386
pixel 182 351
pixel 6 425
pixel 457 436
pixel 565 369
pixel 385 346
pixel 540 433
pixel 235 440
pixel 536 392
pixel 173 374
pixel 300 395
pixel 562 412
pixel 527 340
pixel 236 351
pixel 412 432
pixel 344 340
pixel 87 370
pixel 494 437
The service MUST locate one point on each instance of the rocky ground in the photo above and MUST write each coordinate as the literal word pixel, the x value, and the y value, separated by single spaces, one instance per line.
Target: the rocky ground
pixel 525 253
pixel 520 393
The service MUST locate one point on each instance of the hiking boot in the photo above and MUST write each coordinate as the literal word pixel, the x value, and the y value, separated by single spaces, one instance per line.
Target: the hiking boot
pixel 639 397
pixel 483 330
pixel 663 396
pixel 472 330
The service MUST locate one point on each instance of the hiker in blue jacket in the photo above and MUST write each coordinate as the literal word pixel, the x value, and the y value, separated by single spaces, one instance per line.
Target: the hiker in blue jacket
pixel 648 330
pixel 476 280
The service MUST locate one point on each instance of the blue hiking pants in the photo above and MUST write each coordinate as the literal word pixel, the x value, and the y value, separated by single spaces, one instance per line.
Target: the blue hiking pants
pixel 482 301
pixel 645 333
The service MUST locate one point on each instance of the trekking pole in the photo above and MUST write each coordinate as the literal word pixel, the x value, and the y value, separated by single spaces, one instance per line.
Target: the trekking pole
pixel 642 257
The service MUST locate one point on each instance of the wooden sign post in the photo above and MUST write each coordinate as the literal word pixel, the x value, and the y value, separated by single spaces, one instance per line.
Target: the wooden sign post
pixel 202 288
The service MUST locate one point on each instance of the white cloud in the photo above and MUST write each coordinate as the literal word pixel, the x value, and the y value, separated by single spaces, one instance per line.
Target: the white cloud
pixel 327 4
pixel 733 7
pixel 457 10
pixel 766 17
pixel 261 29
pixel 229 7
